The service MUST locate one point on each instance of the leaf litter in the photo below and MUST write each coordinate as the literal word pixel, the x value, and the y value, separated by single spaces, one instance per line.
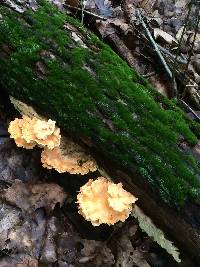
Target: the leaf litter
pixel 166 20
pixel 31 233
pixel 36 230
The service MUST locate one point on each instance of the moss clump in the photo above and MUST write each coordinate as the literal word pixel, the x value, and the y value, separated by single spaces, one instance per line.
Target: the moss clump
pixel 80 86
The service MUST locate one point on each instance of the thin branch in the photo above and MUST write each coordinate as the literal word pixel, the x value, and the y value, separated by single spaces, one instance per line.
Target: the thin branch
pixel 158 52
pixel 190 109
pixel 192 85
pixel 148 75
pixel 193 41
pixel 181 39
pixel 87 12
pixel 167 52
pixel 82 11
pixel 154 45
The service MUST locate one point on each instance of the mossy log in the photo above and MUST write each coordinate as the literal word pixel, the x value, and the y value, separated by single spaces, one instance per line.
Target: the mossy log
pixel 50 61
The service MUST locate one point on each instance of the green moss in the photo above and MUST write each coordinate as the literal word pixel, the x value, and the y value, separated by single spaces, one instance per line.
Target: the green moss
pixel 142 128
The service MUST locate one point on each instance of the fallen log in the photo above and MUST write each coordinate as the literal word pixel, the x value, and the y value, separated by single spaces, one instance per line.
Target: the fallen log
pixel 50 61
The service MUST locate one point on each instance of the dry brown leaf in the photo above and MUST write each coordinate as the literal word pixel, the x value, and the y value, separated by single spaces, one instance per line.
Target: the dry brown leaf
pixel 128 256
pixel 49 253
pixel 9 218
pixel 181 3
pixel 27 238
pixel 161 85
pixel 196 62
pixel 22 261
pixel 164 36
pixel 180 33
pixel 120 24
pixel 104 7
pixel 96 253
pixel 156 17
pixel 147 5
pixel 31 197
pixel 196 42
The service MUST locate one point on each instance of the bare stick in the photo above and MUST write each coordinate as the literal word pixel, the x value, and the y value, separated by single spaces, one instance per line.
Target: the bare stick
pixel 87 12
pixel 154 45
pixel 167 52
pixel 159 54
pixel 150 74
pixel 190 109
pixel 82 11
pixel 194 38
pixel 181 39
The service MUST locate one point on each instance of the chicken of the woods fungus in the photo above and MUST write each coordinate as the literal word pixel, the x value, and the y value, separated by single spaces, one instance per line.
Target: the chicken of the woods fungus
pixel 29 132
pixel 68 157
pixel 65 156
pixel 101 201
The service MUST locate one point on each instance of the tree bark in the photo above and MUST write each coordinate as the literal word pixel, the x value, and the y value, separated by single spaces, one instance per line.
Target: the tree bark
pixel 51 62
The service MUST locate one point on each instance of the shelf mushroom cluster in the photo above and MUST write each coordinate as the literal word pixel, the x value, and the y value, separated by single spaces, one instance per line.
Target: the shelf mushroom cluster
pixel 28 133
pixel 100 201
pixel 60 154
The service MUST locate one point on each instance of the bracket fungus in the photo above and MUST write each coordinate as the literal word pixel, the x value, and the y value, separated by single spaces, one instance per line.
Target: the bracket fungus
pixel 65 156
pixel 15 130
pixel 28 132
pixel 68 157
pixel 102 201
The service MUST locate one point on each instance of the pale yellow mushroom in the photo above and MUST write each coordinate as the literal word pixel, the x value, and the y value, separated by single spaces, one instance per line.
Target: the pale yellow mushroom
pixel 69 157
pixel 28 132
pixel 101 201
pixel 15 130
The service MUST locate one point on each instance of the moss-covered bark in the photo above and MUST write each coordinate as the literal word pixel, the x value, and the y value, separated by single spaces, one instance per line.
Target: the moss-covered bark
pixel 91 92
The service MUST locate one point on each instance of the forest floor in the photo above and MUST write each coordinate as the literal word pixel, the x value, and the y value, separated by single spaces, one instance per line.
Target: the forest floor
pixel 158 38
pixel 34 229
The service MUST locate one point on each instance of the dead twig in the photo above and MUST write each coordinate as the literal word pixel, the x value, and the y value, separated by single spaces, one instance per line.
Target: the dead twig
pixel 150 74
pixel 82 11
pixel 189 109
pixel 86 12
pixel 167 52
pixel 158 52
pixel 194 38
pixel 154 44
pixel 181 39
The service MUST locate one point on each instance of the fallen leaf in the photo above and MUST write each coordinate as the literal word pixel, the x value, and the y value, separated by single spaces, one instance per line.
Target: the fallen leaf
pixel 196 42
pixel 161 84
pixel 18 164
pixel 31 197
pixel 120 24
pixel 27 238
pixel 179 34
pixel 104 7
pixel 22 261
pixel 78 39
pixel 156 17
pixel 147 5
pixel 9 217
pixel 128 256
pixel 164 36
pixel 96 253
pixel 49 253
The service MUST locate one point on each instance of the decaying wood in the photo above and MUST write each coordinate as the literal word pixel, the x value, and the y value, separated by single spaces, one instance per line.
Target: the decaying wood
pixel 92 117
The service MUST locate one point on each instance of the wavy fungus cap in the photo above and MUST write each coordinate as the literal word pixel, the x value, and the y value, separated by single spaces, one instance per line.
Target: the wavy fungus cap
pixel 27 132
pixel 15 130
pixel 69 157
pixel 101 201
pixel 43 132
